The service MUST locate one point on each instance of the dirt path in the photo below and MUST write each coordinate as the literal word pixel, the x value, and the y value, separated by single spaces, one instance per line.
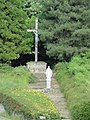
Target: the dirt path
pixel 55 94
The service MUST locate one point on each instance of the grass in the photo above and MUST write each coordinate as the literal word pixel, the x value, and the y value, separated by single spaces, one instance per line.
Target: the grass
pixel 6 116
pixel 19 100
pixel 74 79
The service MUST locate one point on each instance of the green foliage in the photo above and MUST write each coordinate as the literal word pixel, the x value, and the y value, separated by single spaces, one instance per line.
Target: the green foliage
pixel 74 79
pixel 14 39
pixel 81 111
pixel 5 68
pixel 12 78
pixel 21 101
pixel 29 104
pixel 23 72
pixel 32 7
pixel 80 67
pixel 6 116
pixel 65 27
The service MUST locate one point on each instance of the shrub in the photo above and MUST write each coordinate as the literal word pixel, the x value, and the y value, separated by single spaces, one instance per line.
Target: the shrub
pixel 12 78
pixel 5 68
pixel 24 73
pixel 75 84
pixel 81 111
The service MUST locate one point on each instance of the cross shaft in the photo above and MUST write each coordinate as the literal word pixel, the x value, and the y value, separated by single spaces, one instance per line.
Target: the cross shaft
pixel 35 31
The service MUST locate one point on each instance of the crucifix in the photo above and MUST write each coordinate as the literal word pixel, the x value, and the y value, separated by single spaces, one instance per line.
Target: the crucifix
pixel 35 31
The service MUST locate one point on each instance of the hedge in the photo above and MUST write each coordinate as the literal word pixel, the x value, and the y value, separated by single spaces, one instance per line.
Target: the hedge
pixel 81 111
pixel 76 91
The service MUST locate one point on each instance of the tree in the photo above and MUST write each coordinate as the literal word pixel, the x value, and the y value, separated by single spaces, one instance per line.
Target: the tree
pixel 32 7
pixel 14 39
pixel 65 27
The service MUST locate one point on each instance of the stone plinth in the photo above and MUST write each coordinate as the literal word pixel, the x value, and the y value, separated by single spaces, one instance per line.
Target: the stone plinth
pixel 37 67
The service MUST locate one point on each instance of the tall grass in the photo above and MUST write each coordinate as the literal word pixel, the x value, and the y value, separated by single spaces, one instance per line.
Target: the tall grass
pixel 74 79
pixel 10 80
pixel 6 116
pixel 19 100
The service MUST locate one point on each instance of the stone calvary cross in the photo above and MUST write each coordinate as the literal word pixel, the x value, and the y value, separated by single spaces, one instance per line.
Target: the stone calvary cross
pixel 35 31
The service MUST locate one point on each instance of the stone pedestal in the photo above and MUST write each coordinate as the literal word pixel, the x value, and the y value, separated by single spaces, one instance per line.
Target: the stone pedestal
pixel 37 67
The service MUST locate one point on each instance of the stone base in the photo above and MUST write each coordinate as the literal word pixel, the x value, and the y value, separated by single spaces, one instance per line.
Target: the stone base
pixel 37 67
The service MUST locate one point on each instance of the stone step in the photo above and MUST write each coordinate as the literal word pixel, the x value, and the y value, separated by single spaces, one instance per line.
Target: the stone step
pixel 54 94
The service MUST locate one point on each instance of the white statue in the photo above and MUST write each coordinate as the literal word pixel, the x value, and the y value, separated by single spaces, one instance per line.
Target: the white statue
pixel 48 77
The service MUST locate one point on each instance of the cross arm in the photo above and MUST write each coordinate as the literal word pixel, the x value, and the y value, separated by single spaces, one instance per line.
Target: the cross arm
pixel 32 30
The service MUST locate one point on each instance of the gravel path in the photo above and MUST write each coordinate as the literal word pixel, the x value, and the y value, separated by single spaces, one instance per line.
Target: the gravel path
pixel 55 94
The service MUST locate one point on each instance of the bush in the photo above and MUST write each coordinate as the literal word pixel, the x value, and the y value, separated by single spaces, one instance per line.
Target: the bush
pixel 5 68
pixel 12 78
pixel 75 84
pixel 24 73
pixel 81 111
